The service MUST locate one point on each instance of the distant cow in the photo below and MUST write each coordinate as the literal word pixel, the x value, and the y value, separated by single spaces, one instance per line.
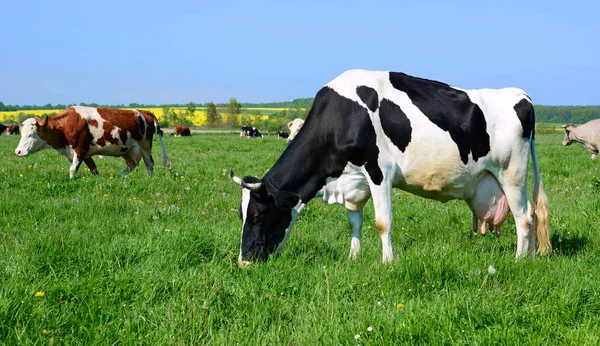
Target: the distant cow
pixel 181 131
pixel 587 134
pixel 2 128
pixel 294 126
pixel 244 130
pixel 282 134
pixel 13 130
pixel 371 131
pixel 82 132
pixel 250 132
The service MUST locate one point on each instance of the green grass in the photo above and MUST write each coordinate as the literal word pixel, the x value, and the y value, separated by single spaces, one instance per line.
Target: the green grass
pixel 151 260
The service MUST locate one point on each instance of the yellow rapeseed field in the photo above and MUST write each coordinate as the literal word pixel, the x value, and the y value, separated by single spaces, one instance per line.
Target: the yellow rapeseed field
pixel 199 118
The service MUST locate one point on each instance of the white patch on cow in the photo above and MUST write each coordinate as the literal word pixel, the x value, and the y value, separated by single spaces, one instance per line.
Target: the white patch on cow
pixel 115 134
pixel 351 189
pixel 30 140
pixel 91 113
pixel 245 202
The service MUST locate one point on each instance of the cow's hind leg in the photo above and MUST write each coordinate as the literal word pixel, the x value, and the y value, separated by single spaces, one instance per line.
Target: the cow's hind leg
pixel 146 151
pixel 355 219
pixel 91 165
pixel 515 189
pixel 132 159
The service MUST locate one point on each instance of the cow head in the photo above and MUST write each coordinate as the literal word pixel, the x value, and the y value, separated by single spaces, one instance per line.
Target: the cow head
pixel 267 216
pixel 30 139
pixel 294 127
pixel 568 140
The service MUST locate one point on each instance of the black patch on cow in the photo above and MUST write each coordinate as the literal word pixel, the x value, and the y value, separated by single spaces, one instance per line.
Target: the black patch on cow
pixel 369 96
pixel 123 149
pixel 395 124
pixel 337 130
pixel 526 115
pixel 451 110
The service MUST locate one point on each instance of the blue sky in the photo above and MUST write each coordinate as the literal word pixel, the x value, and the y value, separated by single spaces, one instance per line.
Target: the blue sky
pixel 259 51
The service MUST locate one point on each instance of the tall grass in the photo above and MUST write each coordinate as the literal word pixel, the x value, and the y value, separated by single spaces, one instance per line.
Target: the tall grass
pixel 151 260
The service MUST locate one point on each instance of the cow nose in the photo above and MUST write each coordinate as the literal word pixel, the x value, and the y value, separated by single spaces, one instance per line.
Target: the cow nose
pixel 18 152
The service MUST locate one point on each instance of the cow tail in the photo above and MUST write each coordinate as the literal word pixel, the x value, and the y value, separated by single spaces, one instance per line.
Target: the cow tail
pixel 159 132
pixel 540 200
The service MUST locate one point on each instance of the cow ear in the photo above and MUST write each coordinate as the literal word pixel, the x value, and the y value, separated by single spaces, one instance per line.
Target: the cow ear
pixel 286 199
pixel 289 124
pixel 42 122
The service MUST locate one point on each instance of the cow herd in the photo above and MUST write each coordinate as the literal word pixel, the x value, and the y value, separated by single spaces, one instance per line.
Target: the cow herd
pixel 366 133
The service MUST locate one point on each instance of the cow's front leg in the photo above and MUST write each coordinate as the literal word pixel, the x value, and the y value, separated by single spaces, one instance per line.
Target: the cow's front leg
pixel 74 166
pixel 382 201
pixel 355 219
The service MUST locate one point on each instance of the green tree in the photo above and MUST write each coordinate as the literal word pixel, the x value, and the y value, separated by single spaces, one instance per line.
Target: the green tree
pixel 212 115
pixel 232 110
pixel 190 110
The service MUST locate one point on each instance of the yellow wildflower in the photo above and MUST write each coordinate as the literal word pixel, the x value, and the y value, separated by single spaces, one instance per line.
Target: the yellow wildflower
pixel 167 230
pixel 400 305
pixel 39 294
pixel 105 195
pixel 45 332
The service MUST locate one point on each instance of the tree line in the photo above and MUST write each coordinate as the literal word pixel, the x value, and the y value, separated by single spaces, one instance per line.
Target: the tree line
pixel 233 113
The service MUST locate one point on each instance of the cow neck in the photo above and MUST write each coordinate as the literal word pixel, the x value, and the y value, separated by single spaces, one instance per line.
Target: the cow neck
pixel 53 133
pixel 306 164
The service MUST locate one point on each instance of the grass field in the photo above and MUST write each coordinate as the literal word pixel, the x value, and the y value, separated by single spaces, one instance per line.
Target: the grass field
pixel 151 260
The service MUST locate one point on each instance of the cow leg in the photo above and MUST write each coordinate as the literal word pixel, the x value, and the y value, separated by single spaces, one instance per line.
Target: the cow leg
pixel 147 155
pixel 382 201
pixel 355 219
pixel 74 166
pixel 132 159
pixel 516 193
pixel 91 165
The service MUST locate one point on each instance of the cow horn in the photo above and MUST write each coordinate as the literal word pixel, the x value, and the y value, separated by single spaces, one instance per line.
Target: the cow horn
pixel 250 186
pixel 235 178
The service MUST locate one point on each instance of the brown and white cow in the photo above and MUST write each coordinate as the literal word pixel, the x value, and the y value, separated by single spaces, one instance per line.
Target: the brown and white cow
pixel 12 130
pixel 182 131
pixel 81 132
pixel 587 134
pixel 294 126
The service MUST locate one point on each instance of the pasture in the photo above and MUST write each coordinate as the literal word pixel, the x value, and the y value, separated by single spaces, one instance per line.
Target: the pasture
pixel 152 260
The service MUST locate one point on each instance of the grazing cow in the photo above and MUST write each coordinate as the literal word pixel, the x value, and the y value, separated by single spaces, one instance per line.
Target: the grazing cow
pixel 282 134
pixel 82 132
pixel 2 128
pixel 181 131
pixel 294 126
pixel 587 134
pixel 370 131
pixel 13 130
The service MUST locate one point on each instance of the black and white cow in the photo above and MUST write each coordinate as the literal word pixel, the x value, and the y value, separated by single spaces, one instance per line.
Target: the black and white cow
pixel 370 131
pixel 2 128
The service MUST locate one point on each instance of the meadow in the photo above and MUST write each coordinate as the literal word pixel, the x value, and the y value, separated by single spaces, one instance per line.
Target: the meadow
pixel 152 259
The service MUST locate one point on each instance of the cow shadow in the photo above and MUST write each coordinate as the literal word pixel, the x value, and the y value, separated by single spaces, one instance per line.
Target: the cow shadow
pixel 569 245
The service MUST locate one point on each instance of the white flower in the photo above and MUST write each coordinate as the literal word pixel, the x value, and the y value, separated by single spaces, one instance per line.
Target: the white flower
pixel 370 329
pixel 379 304
pixel 357 336
pixel 491 270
